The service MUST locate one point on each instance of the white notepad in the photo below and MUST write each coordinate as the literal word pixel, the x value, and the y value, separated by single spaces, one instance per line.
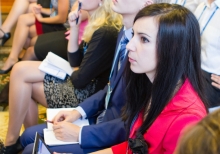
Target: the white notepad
pixel 56 66
pixel 49 136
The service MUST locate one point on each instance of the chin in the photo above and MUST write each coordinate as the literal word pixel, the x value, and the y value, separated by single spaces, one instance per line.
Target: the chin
pixel 115 9
pixel 135 70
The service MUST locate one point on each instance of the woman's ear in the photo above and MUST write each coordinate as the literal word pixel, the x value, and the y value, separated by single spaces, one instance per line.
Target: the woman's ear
pixel 100 3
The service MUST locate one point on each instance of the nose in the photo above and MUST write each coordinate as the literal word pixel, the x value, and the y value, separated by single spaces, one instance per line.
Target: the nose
pixel 130 46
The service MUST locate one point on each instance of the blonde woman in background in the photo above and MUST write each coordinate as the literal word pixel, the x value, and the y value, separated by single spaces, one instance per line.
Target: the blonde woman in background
pixel 92 66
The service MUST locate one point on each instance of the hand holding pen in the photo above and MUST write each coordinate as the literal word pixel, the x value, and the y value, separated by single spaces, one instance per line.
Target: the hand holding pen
pixel 79 8
pixel 49 121
pixel 74 16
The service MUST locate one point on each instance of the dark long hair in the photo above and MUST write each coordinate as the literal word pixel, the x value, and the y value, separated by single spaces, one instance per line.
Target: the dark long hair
pixel 178 55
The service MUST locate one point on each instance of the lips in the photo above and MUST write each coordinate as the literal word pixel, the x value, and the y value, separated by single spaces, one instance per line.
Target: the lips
pixel 131 60
pixel 114 1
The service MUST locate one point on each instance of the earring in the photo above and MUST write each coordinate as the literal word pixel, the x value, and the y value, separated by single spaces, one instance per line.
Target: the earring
pixel 100 4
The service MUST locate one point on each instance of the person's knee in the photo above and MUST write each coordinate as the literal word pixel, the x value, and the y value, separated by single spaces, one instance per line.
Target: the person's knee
pixel 30 54
pixel 22 18
pixel 30 50
pixel 26 19
pixel 18 69
pixel 28 149
pixel 28 135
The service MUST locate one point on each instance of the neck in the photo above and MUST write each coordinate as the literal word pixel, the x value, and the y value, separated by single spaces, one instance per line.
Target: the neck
pixel 210 1
pixel 128 21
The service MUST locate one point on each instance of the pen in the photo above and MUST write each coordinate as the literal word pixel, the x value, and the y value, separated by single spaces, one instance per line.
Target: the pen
pixel 79 7
pixel 48 121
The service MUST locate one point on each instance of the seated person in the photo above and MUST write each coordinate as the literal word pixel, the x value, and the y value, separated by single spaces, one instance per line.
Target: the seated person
pixel 103 109
pixel 164 94
pixel 30 25
pixel 55 42
pixel 202 138
pixel 93 62
pixel 208 15
pixel 215 81
pixel 189 4
pixel 17 10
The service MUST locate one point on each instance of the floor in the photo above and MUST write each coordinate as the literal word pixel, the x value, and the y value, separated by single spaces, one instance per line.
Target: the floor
pixel 4 115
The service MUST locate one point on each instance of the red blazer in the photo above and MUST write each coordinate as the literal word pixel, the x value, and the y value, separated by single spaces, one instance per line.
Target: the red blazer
pixel 185 108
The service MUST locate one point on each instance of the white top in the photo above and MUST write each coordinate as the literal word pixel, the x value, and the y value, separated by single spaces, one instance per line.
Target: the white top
pixel 210 40
pixel 189 4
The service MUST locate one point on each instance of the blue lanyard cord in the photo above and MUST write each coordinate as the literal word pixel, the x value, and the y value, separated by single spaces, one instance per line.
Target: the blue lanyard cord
pixel 113 64
pixel 203 29
pixel 85 47
pixel 116 56
pixel 202 12
pixel 184 2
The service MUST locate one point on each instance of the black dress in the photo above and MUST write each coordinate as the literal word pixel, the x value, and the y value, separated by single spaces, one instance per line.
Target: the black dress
pixel 54 42
pixel 47 28
pixel 94 68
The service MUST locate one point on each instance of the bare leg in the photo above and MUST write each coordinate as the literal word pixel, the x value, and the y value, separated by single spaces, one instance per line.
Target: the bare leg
pixel 22 32
pixel 26 85
pixel 30 54
pixel 19 7
pixel 31 117
pixel 33 37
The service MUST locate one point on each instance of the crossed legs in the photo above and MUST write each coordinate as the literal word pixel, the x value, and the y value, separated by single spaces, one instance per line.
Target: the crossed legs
pixel 24 32
pixel 26 87
pixel 16 10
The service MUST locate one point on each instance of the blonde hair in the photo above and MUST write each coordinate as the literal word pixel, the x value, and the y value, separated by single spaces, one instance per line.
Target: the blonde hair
pixel 104 15
pixel 203 138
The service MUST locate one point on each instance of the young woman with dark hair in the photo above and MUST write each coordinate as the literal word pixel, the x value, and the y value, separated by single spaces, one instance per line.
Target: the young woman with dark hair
pixel 165 89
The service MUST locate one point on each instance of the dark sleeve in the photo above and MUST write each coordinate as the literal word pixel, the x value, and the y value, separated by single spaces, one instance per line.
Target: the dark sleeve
pixel 104 134
pixel 94 103
pixel 98 58
pixel 75 58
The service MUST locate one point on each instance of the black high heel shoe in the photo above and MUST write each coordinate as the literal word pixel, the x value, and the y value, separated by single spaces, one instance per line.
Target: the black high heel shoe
pixel 12 149
pixel 5 37
pixel 6 71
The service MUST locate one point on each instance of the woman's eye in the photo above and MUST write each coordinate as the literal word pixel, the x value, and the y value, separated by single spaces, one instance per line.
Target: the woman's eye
pixel 132 34
pixel 144 39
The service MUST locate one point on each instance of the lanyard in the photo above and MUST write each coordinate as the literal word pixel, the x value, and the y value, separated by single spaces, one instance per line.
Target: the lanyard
pixel 109 91
pixel 85 47
pixel 203 29
pixel 116 56
pixel 184 2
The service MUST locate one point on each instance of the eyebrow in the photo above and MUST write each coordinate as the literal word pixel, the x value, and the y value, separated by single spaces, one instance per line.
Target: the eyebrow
pixel 143 34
